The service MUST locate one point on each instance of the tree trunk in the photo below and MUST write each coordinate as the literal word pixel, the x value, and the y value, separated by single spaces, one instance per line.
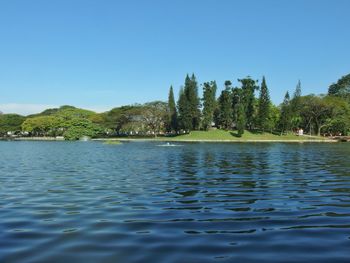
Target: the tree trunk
pixel 319 130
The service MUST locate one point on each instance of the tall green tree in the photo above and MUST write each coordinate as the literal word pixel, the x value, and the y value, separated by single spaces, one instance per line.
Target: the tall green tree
pixel 248 99
pixel 184 118
pixel 295 105
pixel 172 122
pixel 209 103
pixel 315 112
pixel 264 106
pixel 191 91
pixel 225 106
pixel 275 113
pixel 236 98
pixel 154 116
pixel 189 112
pixel 286 114
pixel 241 119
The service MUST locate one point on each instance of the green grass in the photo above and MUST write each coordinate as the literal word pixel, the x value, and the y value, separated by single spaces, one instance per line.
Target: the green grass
pixel 219 135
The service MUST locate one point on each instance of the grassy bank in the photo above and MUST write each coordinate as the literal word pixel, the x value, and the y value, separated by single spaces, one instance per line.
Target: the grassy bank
pixel 205 136
pixel 220 135
pixel 231 136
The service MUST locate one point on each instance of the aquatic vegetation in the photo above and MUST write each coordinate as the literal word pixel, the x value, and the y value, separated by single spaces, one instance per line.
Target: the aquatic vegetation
pixel 112 142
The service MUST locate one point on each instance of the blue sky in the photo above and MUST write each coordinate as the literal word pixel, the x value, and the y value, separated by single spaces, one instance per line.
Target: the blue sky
pixel 101 54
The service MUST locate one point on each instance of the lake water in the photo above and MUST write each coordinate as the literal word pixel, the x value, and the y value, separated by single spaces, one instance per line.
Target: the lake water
pixel 201 202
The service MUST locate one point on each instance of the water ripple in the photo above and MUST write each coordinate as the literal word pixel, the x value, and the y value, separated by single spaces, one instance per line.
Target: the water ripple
pixel 137 202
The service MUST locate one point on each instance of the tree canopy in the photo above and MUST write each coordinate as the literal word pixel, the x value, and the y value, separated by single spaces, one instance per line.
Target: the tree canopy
pixel 341 88
pixel 10 123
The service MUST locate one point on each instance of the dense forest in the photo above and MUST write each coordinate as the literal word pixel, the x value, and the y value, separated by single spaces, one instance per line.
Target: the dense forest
pixel 243 107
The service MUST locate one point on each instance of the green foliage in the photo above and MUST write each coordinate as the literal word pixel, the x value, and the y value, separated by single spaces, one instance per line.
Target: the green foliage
pixel 188 105
pixel 248 99
pixel 10 123
pixel 69 112
pixel 285 120
pixel 43 125
pixel 172 111
pixel 341 88
pixel 71 122
pixel 264 107
pixel 236 100
pixel 154 116
pixel 209 103
pixel 241 119
pixel 185 120
pixel 46 112
pixel 191 91
pixel 295 105
pixel 225 106
pixel 136 119
pixel 315 112
pixel 117 118
pixel 338 121
pixel 274 117
pixel 79 127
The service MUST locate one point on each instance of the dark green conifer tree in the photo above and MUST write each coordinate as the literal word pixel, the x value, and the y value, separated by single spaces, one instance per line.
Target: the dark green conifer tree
pixel 209 103
pixel 193 102
pixel 295 105
pixel 172 126
pixel 284 122
pixel 264 106
pixel 241 119
pixel 184 118
pixel 236 97
pixel 225 106
pixel 248 98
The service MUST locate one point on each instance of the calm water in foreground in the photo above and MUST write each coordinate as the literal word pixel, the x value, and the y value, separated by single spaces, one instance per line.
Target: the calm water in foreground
pixel 137 202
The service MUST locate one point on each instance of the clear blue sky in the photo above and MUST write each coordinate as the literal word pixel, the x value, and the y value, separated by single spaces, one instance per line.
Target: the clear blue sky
pixel 100 54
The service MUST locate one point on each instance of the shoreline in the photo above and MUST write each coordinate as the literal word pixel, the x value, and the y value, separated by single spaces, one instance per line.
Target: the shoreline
pixel 172 139
pixel 32 139
pixel 211 140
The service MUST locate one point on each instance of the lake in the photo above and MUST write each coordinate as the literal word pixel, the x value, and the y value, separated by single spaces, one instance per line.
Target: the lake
pixel 199 202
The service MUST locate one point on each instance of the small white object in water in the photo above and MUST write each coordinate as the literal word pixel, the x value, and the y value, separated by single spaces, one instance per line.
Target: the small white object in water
pixel 168 144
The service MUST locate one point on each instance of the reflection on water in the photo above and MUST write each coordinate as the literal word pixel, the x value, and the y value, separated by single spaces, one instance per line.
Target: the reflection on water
pixel 88 202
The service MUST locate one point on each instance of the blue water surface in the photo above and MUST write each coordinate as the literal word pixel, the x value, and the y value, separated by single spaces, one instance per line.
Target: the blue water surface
pixel 199 202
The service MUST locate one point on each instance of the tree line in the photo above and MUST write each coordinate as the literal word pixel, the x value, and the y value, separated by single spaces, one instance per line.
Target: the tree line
pixel 239 108
pixel 246 106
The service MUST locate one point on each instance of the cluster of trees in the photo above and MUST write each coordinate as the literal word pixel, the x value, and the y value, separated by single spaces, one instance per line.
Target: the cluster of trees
pixel 239 108
pixel 236 107
pixel 328 114
pixel 67 121
pixel 246 106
